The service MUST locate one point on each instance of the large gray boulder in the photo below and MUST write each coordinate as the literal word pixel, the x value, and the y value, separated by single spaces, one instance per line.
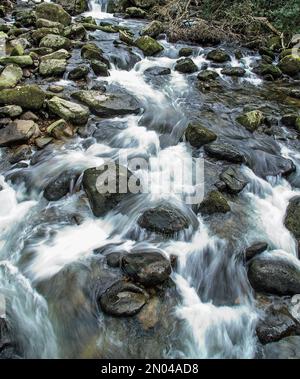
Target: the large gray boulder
pixel 108 104
pixel 53 12
pixel 10 76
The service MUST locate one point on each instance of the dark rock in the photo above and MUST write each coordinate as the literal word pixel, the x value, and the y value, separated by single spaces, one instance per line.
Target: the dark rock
pixel 255 249
pixel 60 186
pixel 114 259
pixel 96 187
pixel 224 151
pixel 292 217
pixel 276 324
pixel 149 268
pixel 186 66
pixel 214 202
pixel 233 71
pixel 123 299
pixel 275 276
pixel 79 72
pixel 21 153
pixel 218 56
pixel 17 132
pixel 157 71
pixel 207 75
pixel 197 135
pixel 99 68
pixel 164 220
pixel 185 52
pixel 233 179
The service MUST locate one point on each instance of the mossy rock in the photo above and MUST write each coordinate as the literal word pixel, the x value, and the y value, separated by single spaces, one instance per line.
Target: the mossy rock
pixel 43 23
pixel 185 52
pixel 218 56
pixel 270 69
pixel 53 12
pixel 74 7
pixel 292 217
pixel 214 202
pixel 197 135
pixel 55 42
pixel 251 120
pixel 29 97
pixel 90 51
pixel 149 45
pixel 290 65
pixel 69 111
pixel 53 67
pixel 186 66
pixel 154 29
pixel 10 76
pixel 40 33
pixel 135 12
pixel 207 75
pixel 22 61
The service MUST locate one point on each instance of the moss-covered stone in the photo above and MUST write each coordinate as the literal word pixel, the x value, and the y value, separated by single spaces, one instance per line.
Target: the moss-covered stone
pixel 52 67
pixel 10 76
pixel 292 218
pixel 126 37
pixel 214 202
pixel 55 42
pixel 59 54
pixel 290 65
pixel 154 29
pixel 186 66
pixel 251 120
pixel 149 45
pixel 218 56
pixel 28 97
pixel 185 52
pixel 207 75
pixel 197 135
pixel 22 61
pixel 69 111
pixel 270 69
pixel 91 51
pixel 135 12
pixel 40 33
pixel 43 23
pixel 53 12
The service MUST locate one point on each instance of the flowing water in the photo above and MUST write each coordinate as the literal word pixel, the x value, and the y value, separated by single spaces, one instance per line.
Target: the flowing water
pixel 216 311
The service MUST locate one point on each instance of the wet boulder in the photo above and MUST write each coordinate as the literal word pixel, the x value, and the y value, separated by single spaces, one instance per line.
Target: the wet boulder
pixel 149 45
pixel 53 12
pixel 91 51
pixel 251 120
pixel 60 186
pixel 292 217
pixel 69 111
pixel 74 7
pixel 186 66
pixel 276 275
pixel 53 67
pixel 60 129
pixel 264 164
pixel 79 72
pixel 96 184
pixel 29 97
pixel 276 324
pixel 153 29
pixel 234 71
pixel 290 65
pixel 269 70
pixel 123 299
pixel 255 249
pixel 108 104
pixel 17 132
pixel 214 202
pixel 207 75
pixel 218 56
pixel 287 348
pixel 149 268
pixel 38 34
pixel 10 76
pixel 233 179
pixel 198 135
pixel 100 68
pixel 224 151
pixel 8 346
pixel 44 23
pixel 185 52
pixel 164 219
pixel 157 71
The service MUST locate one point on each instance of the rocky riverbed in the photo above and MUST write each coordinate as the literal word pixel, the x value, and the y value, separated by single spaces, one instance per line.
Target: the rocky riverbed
pixel 89 274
